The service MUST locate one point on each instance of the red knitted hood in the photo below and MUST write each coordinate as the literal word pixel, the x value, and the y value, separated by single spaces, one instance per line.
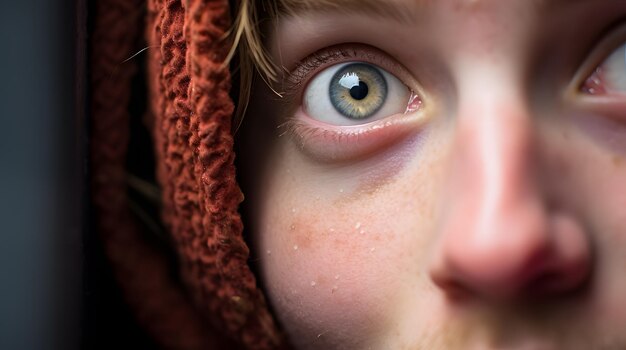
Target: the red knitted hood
pixel 215 302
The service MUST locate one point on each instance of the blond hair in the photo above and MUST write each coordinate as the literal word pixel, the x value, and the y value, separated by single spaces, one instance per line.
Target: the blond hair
pixel 248 44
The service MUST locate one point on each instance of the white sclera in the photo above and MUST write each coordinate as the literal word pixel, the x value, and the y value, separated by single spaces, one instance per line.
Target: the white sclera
pixel 317 103
pixel 614 71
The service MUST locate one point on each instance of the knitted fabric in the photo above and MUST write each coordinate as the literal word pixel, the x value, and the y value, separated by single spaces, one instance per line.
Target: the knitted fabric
pixel 191 122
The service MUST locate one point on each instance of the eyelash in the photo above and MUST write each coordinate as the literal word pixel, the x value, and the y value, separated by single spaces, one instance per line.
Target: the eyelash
pixel 344 140
pixel 295 83
pixel 609 40
pixel 322 59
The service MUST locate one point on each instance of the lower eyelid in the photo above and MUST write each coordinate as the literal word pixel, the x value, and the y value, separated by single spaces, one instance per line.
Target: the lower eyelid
pixel 611 106
pixel 329 143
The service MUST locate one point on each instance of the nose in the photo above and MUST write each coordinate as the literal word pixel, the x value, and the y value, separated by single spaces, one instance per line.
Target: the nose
pixel 498 239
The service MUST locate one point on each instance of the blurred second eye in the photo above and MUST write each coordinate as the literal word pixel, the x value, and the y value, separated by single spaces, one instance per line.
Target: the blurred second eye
pixel 354 93
pixel 610 76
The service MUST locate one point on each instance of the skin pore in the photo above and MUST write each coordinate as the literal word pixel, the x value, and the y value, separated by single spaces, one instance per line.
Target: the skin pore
pixel 481 204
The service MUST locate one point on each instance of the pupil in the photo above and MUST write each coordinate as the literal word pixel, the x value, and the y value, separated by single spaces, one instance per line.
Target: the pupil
pixel 359 92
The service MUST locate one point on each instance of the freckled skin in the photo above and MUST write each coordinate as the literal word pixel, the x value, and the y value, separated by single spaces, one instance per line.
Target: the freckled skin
pixel 499 224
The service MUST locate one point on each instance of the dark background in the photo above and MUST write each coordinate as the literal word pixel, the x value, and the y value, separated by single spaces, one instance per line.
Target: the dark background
pixel 41 184
pixel 56 291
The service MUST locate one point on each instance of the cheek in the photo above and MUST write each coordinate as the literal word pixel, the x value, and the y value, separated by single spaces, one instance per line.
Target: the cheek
pixel 331 268
pixel 338 261
pixel 587 176
pixel 595 149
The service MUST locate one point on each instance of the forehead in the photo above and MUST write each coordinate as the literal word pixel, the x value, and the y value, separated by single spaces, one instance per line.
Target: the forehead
pixel 470 26
pixel 416 4
pixel 411 10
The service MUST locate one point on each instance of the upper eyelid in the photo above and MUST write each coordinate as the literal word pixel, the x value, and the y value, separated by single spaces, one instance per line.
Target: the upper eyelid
pixel 336 54
pixel 317 60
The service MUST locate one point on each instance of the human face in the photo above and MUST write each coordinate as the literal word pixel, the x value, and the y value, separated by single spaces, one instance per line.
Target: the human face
pixel 475 200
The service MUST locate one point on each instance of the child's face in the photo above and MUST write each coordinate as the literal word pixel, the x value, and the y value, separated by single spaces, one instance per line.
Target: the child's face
pixel 463 187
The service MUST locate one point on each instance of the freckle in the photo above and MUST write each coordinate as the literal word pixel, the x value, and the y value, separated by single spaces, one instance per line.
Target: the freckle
pixel 295 247
pixel 313 284
pixel 617 161
pixel 357 226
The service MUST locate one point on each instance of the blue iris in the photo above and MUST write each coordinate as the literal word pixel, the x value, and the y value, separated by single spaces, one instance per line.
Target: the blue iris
pixel 358 90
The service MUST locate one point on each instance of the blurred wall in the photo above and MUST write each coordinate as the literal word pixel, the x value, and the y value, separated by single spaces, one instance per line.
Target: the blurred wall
pixel 41 172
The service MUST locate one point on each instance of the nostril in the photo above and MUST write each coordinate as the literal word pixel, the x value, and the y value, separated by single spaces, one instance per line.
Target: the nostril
pixel 551 284
pixel 543 284
pixel 553 263
pixel 558 282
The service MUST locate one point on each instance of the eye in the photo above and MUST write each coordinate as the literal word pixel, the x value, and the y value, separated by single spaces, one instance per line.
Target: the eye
pixel 355 93
pixel 610 76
